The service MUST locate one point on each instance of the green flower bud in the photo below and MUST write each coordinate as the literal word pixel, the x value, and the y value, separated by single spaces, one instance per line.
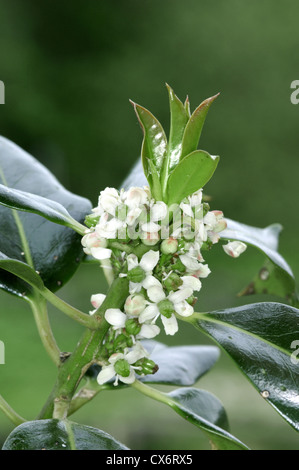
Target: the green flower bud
pixel 122 367
pixel 192 300
pixel 147 366
pixel 132 326
pixel 166 308
pixel 169 246
pixel 173 282
pixel 136 274
pixel 91 220
pixel 120 342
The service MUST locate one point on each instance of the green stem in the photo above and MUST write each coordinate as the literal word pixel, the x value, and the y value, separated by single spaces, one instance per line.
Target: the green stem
pixel 152 393
pixel 73 369
pixel 10 412
pixel 39 309
pixel 72 312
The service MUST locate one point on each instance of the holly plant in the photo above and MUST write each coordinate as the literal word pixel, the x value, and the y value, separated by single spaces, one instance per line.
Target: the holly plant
pixel 151 238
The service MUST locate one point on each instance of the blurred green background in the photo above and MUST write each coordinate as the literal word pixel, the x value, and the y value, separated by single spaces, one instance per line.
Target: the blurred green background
pixel 69 70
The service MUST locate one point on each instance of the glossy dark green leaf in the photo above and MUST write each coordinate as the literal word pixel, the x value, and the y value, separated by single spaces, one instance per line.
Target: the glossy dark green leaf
pixel 191 174
pixel 260 338
pixel 26 276
pixel 194 127
pixel 28 202
pixel 178 365
pixel 205 411
pixel 55 250
pixel 276 277
pixel 53 434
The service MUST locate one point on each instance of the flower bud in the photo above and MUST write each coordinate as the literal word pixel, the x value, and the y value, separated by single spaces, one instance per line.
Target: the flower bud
pixel 169 246
pixel 147 366
pixel 133 327
pixel 173 282
pixel 122 367
pixel 120 342
pixel 166 308
pixel 135 304
pixel 91 220
pixel 150 238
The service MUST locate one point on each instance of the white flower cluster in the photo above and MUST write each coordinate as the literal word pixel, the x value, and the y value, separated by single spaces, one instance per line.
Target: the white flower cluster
pixel 163 281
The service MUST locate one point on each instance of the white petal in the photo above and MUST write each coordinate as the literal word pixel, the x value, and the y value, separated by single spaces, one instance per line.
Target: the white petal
pixel 150 227
pixel 190 262
pixel 135 197
pixel 180 295
pixel 106 374
pixel 235 248
pixel 133 215
pixel 134 287
pixel 97 300
pixel 210 220
pixel 137 352
pixel 158 211
pixel 203 270
pixel 184 309
pixel 115 317
pixel 115 357
pixel 149 331
pixel 186 208
pixel 150 281
pixel 195 198
pixel 128 380
pixel 100 253
pixel 156 294
pixel 191 281
pixel 170 324
pixel 149 313
pixel 132 261
pixel 149 260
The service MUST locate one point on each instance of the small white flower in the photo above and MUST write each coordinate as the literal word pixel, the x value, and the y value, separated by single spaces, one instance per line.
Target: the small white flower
pixel 134 305
pixel 194 266
pixel 96 301
pixel 148 262
pixel 235 248
pixel 108 371
pixel 95 246
pixel 178 298
pixel 158 211
pixel 109 199
pixel 195 198
pixel 136 197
